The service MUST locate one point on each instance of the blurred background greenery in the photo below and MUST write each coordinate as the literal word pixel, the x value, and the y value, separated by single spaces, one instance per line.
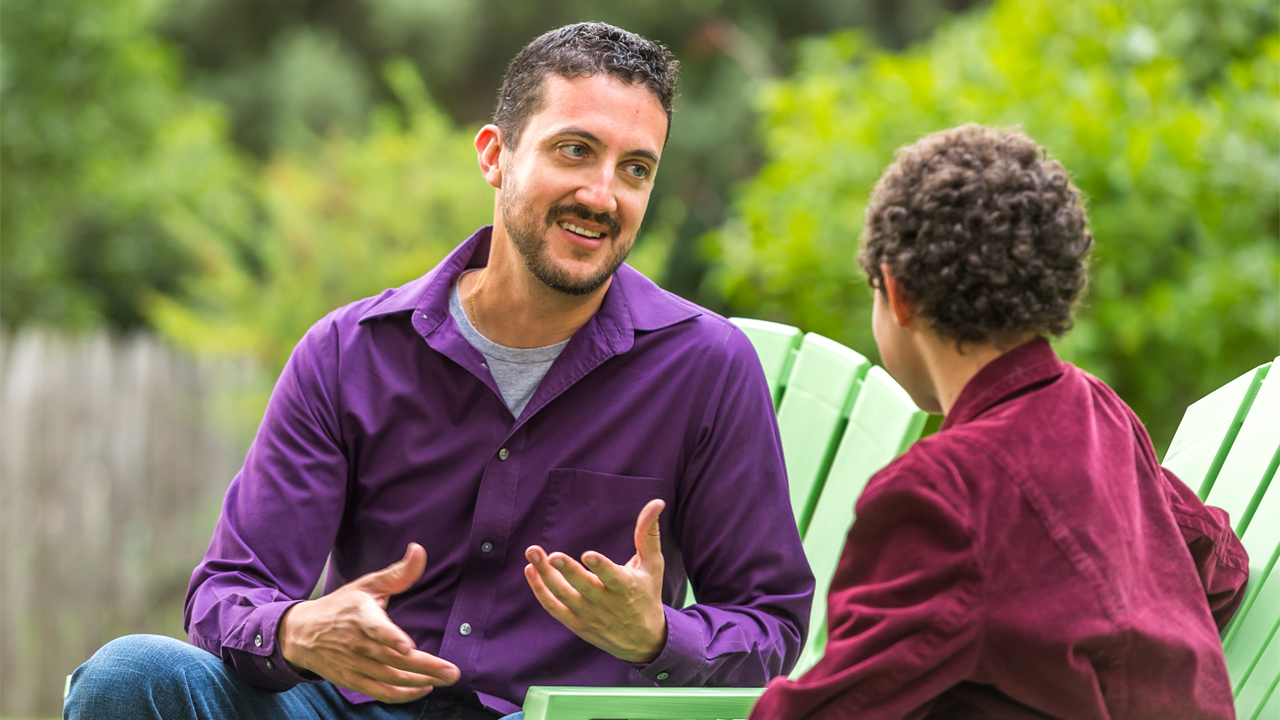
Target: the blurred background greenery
pixel 225 172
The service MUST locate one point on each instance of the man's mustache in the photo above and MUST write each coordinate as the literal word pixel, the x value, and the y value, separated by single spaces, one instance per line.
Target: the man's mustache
pixel 583 213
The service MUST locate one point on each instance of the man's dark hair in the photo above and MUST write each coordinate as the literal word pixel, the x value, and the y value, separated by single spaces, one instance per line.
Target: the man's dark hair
pixel 986 234
pixel 581 50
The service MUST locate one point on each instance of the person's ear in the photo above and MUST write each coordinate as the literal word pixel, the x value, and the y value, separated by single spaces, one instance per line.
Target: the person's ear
pixel 903 311
pixel 489 147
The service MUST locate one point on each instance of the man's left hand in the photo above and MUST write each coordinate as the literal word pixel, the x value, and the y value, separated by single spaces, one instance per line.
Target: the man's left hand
pixel 617 608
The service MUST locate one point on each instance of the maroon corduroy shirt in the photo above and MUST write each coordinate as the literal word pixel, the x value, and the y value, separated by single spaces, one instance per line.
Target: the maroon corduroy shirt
pixel 1030 560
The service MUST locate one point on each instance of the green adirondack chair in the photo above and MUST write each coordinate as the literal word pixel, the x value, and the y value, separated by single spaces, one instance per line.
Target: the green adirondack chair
pixel 1228 446
pixel 841 420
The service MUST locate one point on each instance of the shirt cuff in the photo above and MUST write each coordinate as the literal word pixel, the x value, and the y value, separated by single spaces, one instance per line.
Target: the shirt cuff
pixel 261 658
pixel 684 657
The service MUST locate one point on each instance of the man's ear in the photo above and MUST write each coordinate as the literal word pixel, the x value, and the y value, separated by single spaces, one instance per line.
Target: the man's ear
pixel 489 147
pixel 903 310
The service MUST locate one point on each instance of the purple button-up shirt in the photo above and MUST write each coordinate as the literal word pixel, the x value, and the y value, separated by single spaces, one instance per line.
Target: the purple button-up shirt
pixel 387 428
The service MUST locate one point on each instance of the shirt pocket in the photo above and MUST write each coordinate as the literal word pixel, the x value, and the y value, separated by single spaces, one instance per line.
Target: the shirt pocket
pixel 597 511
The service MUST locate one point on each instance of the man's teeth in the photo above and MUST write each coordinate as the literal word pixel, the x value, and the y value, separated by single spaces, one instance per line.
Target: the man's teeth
pixel 581 231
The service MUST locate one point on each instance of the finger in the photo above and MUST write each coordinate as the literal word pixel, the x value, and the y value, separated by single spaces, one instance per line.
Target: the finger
pixel 439 670
pixel 377 626
pixel 579 578
pixel 553 580
pixel 648 539
pixel 384 692
pixel 553 606
pixel 396 577
pixel 609 572
pixel 388 675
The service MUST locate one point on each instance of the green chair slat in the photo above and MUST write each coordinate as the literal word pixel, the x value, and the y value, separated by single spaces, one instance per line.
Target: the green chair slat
pixel 1261 685
pixel 1271 710
pixel 1208 429
pixel 776 345
pixel 882 425
pixel 1262 542
pixel 586 703
pixel 1247 470
pixel 1250 632
pixel 812 415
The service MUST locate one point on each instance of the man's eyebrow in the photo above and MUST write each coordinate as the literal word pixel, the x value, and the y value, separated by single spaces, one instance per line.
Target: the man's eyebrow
pixel 591 138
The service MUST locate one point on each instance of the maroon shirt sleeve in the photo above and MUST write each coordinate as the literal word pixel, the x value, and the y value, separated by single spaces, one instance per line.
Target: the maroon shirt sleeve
pixel 904 611
pixel 1219 555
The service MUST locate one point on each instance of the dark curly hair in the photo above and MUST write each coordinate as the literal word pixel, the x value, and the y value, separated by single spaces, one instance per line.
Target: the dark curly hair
pixel 987 236
pixel 580 50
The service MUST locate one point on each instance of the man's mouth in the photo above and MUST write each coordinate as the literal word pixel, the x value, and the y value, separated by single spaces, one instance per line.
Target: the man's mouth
pixel 580 230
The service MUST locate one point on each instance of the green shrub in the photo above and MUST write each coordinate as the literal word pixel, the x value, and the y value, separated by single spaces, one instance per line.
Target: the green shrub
pixel 1165 113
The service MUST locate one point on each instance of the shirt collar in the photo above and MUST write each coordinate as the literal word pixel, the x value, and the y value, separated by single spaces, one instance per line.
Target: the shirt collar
pixel 1015 371
pixel 633 301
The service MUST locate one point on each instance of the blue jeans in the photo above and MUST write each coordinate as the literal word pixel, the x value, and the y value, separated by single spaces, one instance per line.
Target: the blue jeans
pixel 154 677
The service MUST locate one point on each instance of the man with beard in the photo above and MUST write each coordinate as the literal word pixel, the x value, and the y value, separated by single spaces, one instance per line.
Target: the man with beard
pixel 513 426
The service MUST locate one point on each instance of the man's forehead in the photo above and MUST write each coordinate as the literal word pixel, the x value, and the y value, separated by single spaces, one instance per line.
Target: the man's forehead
pixel 608 109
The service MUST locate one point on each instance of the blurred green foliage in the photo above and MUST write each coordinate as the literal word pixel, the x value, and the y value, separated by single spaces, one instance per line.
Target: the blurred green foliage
pixel 116 165
pixel 344 221
pixel 1165 112
pixel 291 72
pixel 229 170
pixel 104 156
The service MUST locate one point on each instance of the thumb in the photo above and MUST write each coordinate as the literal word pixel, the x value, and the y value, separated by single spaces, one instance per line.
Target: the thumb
pixel 398 576
pixel 648 538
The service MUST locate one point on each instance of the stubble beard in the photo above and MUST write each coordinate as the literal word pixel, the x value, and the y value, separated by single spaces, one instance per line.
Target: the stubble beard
pixel 530 238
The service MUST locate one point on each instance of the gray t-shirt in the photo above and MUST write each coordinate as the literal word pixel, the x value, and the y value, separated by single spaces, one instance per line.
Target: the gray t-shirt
pixel 517 371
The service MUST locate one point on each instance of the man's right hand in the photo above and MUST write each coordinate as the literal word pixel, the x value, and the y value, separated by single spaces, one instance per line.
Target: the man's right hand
pixel 347 638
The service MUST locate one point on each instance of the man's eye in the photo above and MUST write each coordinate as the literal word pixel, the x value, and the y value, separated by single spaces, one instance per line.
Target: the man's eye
pixel 575 151
pixel 638 171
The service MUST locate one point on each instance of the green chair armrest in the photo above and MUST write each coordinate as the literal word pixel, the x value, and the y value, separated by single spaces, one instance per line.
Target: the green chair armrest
pixel 596 703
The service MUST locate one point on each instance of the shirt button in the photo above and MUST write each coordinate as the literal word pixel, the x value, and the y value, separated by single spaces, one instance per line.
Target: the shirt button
pixel 465 629
pixel 271 665
pixel 503 454
pixel 663 676
pixel 257 642
pixel 486 547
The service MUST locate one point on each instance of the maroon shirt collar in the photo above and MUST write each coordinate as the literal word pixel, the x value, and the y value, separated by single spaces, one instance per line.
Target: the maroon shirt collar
pixel 1017 370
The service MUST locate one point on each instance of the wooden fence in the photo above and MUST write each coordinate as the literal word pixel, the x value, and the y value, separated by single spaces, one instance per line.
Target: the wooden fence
pixel 114 456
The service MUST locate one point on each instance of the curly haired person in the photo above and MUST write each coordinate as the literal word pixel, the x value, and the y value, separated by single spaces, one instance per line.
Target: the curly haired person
pixel 1032 559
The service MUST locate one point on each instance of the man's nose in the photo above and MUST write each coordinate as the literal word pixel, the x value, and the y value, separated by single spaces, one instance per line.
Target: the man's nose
pixel 597 192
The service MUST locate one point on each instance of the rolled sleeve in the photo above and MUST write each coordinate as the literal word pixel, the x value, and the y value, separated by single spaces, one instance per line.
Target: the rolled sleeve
pixel 294 478
pixel 684 656
pixel 741 547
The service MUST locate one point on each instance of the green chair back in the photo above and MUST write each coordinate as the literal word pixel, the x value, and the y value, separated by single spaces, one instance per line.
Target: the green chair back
pixel 1245 490
pixel 1251 462
pixel 1255 700
pixel 776 344
pixel 1256 630
pixel 882 425
pixel 1208 429
pixel 812 413
pixel 1232 454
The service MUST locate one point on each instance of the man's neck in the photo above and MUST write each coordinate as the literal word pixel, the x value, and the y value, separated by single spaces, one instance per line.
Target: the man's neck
pixel 513 308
